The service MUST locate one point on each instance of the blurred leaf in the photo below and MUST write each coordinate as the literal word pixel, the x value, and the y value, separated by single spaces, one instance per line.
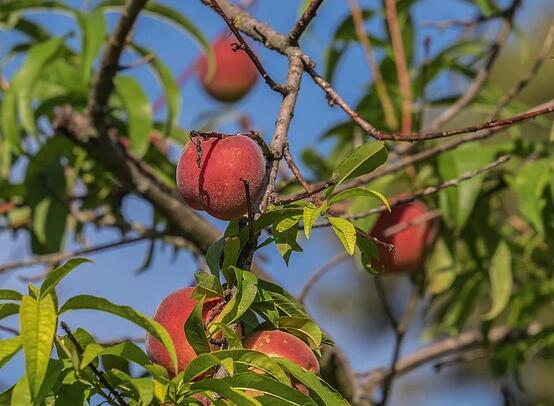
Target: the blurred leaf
pixel 194 330
pixel 440 268
pixel 139 113
pixel 172 94
pixel 38 325
pixel 8 294
pixel 59 273
pixel 360 161
pixel 8 348
pixel 8 309
pixel 346 232
pixel 83 302
pixel 368 250
pixel 500 274
pixel 94 32
pixel 460 200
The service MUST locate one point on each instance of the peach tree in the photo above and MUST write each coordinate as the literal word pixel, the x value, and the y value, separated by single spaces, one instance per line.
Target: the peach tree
pixel 454 192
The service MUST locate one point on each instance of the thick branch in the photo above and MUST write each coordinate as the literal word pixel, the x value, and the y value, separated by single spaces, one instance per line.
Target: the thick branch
pixel 103 83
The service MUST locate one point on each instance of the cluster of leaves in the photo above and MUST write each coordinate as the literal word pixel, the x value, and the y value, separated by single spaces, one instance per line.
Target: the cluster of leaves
pixel 75 376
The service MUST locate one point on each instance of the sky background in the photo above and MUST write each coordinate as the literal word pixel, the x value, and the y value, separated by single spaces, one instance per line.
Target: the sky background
pixel 343 302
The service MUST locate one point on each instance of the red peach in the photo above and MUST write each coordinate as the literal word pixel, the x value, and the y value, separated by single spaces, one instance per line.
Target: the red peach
pixel 172 313
pixel 410 243
pixel 234 74
pixel 215 185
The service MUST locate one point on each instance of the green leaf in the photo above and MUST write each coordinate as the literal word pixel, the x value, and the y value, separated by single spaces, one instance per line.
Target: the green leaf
pixel 59 273
pixel 172 94
pixel 229 388
pixel 213 256
pixel 500 274
pixel 247 289
pixel 144 387
pixel 359 192
pixel 8 309
pixel 288 222
pixel 38 325
pixel 310 216
pixel 368 250
pixel 94 32
pixel 233 339
pixel 26 77
pixel 11 140
pixel 194 330
pixel 126 350
pixel 245 358
pixel 321 391
pixel 304 328
pixel 362 160
pixel 8 348
pixel 286 243
pixel 139 113
pixel 458 202
pixel 207 285
pixel 21 394
pixel 83 302
pixel 345 231
pixel 8 294
pixel 529 184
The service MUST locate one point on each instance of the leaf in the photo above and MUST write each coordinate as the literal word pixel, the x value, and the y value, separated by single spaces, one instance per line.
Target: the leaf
pixel 93 28
pixel 126 350
pixel 304 328
pixel 368 250
pixel 83 302
pixel 59 273
pixel 318 388
pixel 38 325
pixel 529 184
pixel 233 339
pixel 194 330
pixel 346 232
pixel 357 192
pixel 144 387
pixel 247 289
pixel 8 294
pixel 8 348
pixel 500 274
pixel 360 161
pixel 11 131
pixel 286 243
pixel 310 216
pixel 228 387
pixel 288 222
pixel 207 285
pixel 21 394
pixel 139 113
pixel 458 203
pixel 8 309
pixel 172 94
pixel 213 256
pixel 247 358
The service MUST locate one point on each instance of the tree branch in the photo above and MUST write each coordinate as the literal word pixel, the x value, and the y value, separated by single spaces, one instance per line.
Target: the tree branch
pixel 318 274
pixel 301 25
pixel 103 84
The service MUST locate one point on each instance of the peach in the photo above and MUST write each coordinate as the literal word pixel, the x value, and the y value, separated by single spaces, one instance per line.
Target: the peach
pixel 234 74
pixel 215 185
pixel 172 313
pixel 410 243
pixel 277 343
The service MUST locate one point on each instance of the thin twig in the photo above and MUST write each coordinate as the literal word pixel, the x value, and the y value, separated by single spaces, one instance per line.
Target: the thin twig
pixel 301 25
pixel 318 274
pixel 524 81
pixel 401 64
pixel 298 175
pixel 400 332
pixel 365 42
pixel 99 374
pixel 103 84
pixel 482 76
pixel 243 45
pixel 62 256
pixel 425 192
pixel 10 330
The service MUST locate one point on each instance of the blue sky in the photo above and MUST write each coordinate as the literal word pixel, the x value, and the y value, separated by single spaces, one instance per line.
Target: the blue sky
pixel 349 323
